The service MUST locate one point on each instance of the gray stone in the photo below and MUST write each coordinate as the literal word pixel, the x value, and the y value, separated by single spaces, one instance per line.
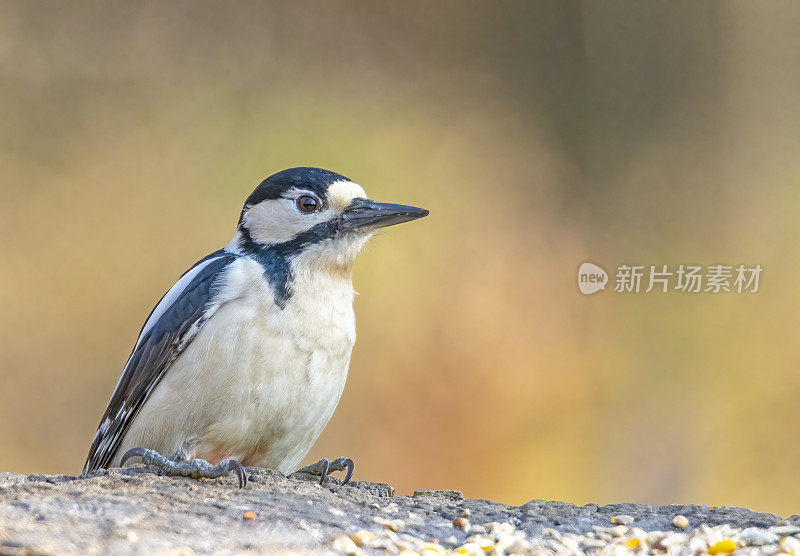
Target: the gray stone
pixel 133 511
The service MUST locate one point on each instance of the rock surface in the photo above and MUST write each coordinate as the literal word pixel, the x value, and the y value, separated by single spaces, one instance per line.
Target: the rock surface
pixel 133 511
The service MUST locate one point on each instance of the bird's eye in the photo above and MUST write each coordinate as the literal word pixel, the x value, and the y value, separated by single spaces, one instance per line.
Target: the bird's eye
pixel 307 204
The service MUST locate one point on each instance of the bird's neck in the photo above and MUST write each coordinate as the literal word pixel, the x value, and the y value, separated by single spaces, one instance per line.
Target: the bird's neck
pixel 235 245
pixel 320 269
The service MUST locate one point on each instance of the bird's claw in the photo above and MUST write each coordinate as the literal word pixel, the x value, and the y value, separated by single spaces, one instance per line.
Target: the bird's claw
pixel 194 468
pixel 137 452
pixel 236 467
pixel 323 467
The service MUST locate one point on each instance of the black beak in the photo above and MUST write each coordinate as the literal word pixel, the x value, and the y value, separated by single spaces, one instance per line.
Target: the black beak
pixel 365 214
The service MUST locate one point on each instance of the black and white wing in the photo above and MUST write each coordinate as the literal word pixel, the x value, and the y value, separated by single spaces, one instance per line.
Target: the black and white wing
pixel 171 326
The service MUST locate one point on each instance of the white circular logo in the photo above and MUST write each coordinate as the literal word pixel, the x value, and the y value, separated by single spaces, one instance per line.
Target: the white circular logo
pixel 591 278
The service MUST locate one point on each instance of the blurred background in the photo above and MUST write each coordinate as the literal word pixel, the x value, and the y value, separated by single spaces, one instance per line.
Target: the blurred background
pixel 539 134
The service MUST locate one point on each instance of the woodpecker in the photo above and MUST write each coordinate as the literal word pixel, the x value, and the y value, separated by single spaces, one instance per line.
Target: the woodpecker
pixel 244 359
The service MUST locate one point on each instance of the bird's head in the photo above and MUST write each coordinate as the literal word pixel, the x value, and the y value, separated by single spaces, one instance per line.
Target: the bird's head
pixel 317 214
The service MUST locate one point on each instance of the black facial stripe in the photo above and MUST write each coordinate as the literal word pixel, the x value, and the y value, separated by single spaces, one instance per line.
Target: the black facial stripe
pixel 315 234
pixel 278 270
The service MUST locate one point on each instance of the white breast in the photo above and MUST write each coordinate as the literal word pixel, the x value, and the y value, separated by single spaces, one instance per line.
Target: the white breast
pixel 258 383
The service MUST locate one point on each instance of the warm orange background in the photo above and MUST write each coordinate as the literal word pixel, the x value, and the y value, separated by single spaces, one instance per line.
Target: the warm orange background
pixel 540 135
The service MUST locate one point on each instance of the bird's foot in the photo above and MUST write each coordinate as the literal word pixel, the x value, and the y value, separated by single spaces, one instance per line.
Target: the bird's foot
pixel 194 468
pixel 323 467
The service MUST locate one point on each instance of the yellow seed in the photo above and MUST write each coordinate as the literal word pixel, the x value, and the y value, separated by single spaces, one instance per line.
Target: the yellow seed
pixel 633 543
pixel 395 525
pixel 486 544
pixel 362 537
pixel 470 549
pixel 680 521
pixel 347 546
pixel 250 516
pixel 725 546
pixel 433 549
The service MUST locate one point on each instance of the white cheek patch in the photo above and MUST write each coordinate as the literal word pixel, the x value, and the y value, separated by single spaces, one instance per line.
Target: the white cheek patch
pixel 278 220
pixel 340 193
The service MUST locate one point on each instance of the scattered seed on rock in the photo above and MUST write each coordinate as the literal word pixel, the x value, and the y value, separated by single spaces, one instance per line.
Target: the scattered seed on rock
pixel 484 543
pixel 753 536
pixel 622 519
pixel 725 546
pixel 652 538
pixel 501 538
pixel 500 529
pixel 790 545
pixel 785 530
pixel 549 532
pixel 671 540
pixel 391 524
pixel 697 545
pixel 432 549
pixel 390 508
pixel 619 530
pixel 469 549
pixel 346 545
pixel 362 538
pixel 680 521
pixel 589 543
pixel 250 516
